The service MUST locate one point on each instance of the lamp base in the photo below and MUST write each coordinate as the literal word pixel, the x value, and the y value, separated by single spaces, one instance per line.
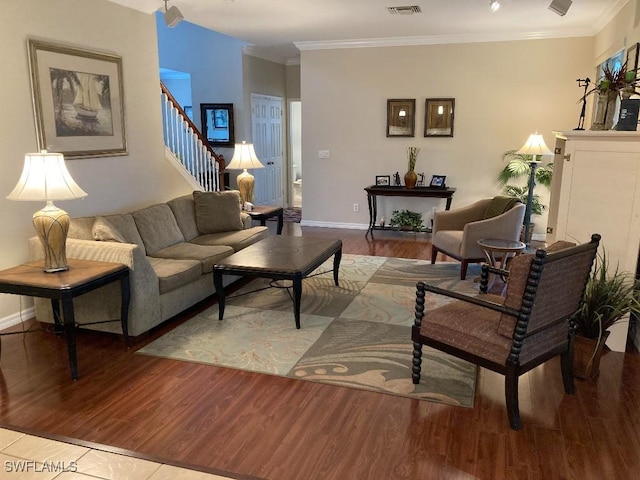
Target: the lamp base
pixel 246 183
pixel 52 225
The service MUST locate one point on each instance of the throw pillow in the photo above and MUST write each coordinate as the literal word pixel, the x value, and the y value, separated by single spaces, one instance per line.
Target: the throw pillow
pixel 217 211
pixel 499 205
pixel 104 231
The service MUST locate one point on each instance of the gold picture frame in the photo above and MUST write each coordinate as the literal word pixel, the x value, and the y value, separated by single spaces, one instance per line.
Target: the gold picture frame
pixel 438 117
pixel 78 100
pixel 401 117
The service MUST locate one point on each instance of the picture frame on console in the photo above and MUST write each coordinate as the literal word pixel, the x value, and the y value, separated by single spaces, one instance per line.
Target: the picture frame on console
pixel 438 117
pixel 78 100
pixel 401 117
pixel 383 180
pixel 438 181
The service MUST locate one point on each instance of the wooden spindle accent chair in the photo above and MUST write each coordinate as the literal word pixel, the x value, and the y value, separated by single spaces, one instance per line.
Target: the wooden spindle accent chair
pixel 513 334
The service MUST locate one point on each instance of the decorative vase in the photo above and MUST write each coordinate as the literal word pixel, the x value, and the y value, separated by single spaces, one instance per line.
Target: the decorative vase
pixel 410 179
pixel 586 356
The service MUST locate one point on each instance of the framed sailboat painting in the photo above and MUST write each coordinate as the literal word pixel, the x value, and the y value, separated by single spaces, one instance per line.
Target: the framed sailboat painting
pixel 78 100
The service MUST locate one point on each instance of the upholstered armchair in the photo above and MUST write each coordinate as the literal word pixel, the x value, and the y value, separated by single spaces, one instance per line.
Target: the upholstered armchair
pixel 513 334
pixel 456 232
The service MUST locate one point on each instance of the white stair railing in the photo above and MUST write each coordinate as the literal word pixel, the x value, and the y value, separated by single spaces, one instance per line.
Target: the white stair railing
pixel 186 143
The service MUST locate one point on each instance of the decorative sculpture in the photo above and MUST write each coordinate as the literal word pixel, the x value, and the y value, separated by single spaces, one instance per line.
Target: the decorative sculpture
pixel 583 83
pixel 396 179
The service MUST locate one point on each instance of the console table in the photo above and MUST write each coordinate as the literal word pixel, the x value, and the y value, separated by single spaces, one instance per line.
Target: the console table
pixel 374 191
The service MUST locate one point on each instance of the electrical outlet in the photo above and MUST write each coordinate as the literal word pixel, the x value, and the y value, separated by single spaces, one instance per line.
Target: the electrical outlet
pixel 356 207
pixel 324 154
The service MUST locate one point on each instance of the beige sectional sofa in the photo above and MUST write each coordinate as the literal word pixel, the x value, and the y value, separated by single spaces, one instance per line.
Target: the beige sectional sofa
pixel 170 249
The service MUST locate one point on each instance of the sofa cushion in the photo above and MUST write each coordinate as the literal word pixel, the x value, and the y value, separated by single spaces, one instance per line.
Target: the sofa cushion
pixel 184 210
pixel 158 227
pixel 126 227
pixel 207 255
pixel 81 228
pixel 104 231
pixel 217 211
pixel 237 240
pixel 175 273
pixel 499 205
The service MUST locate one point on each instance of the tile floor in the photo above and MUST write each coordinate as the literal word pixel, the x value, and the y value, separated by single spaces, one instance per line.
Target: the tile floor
pixel 27 457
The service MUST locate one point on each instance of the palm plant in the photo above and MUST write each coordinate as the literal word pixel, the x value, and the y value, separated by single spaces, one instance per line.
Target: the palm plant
pixel 609 296
pixel 518 167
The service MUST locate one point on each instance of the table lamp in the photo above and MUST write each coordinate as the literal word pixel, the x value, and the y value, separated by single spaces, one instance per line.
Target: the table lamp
pixel 45 177
pixel 535 146
pixel 244 157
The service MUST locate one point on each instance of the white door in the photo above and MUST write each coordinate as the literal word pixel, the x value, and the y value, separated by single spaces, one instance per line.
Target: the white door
pixel 266 115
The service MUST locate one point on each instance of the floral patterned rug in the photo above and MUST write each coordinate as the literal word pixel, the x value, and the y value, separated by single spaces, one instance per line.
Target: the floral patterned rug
pixel 356 335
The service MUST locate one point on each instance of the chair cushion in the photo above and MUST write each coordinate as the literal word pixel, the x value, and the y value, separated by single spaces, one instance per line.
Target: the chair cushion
pixel 158 227
pixel 468 327
pixel 175 273
pixel 499 205
pixel 104 231
pixel 518 275
pixel 207 255
pixel 448 241
pixel 217 211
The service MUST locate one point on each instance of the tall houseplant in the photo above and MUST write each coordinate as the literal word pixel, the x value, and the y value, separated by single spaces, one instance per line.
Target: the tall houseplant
pixel 518 169
pixel 610 296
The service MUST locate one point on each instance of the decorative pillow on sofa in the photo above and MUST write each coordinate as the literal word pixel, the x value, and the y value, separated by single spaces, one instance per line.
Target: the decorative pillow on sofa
pixel 104 231
pixel 217 211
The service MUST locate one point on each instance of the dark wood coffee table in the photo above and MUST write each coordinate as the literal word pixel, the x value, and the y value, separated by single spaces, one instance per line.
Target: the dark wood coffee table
pixel 279 258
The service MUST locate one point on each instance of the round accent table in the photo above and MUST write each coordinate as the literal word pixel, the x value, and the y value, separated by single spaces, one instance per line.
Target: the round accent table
pixel 498 253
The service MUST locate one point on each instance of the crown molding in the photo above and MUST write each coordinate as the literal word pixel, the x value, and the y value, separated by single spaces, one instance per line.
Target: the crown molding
pixel 442 39
pixel 265 54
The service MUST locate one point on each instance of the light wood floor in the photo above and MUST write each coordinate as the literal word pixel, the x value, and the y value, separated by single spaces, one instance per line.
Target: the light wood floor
pixel 283 429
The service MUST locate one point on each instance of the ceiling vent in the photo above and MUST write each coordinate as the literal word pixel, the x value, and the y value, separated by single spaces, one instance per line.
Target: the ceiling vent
pixel 406 10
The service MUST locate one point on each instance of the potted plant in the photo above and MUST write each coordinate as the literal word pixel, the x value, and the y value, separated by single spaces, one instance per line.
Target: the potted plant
pixel 609 297
pixel 518 168
pixel 406 220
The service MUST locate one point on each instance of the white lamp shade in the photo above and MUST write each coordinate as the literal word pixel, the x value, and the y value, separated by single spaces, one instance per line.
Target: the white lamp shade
pixel 535 146
pixel 45 177
pixel 244 157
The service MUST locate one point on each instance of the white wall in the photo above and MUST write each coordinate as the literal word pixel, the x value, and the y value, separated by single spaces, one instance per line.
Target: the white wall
pixel 113 183
pixel 503 92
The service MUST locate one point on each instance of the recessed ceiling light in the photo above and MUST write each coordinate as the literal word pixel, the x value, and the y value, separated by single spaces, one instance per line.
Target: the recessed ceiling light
pixel 494 5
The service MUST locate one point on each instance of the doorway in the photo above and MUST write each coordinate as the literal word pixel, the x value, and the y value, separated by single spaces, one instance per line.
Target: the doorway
pixel 266 119
pixel 295 153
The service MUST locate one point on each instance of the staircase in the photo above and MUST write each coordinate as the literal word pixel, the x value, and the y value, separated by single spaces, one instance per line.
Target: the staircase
pixel 187 149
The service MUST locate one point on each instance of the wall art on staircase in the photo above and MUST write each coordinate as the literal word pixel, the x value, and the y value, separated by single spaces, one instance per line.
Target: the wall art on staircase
pixel 78 100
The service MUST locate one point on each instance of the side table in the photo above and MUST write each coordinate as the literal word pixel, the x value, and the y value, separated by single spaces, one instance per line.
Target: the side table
pixel 264 212
pixel 62 287
pixel 499 251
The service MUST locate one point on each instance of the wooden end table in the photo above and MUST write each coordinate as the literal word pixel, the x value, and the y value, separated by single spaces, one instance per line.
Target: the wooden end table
pixel 82 277
pixel 265 212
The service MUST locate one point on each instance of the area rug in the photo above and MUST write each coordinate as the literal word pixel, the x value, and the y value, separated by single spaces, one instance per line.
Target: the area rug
pixel 292 214
pixel 356 335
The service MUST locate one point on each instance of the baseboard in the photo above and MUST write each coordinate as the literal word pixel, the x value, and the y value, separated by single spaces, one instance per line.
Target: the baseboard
pixel 349 226
pixel 362 226
pixel 18 317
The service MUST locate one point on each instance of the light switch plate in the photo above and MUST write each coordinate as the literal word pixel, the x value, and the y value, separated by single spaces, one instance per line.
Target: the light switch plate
pixel 324 154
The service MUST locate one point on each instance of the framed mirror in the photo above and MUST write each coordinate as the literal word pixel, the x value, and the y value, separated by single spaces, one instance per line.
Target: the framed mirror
pixel 438 117
pixel 401 119
pixel 217 124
